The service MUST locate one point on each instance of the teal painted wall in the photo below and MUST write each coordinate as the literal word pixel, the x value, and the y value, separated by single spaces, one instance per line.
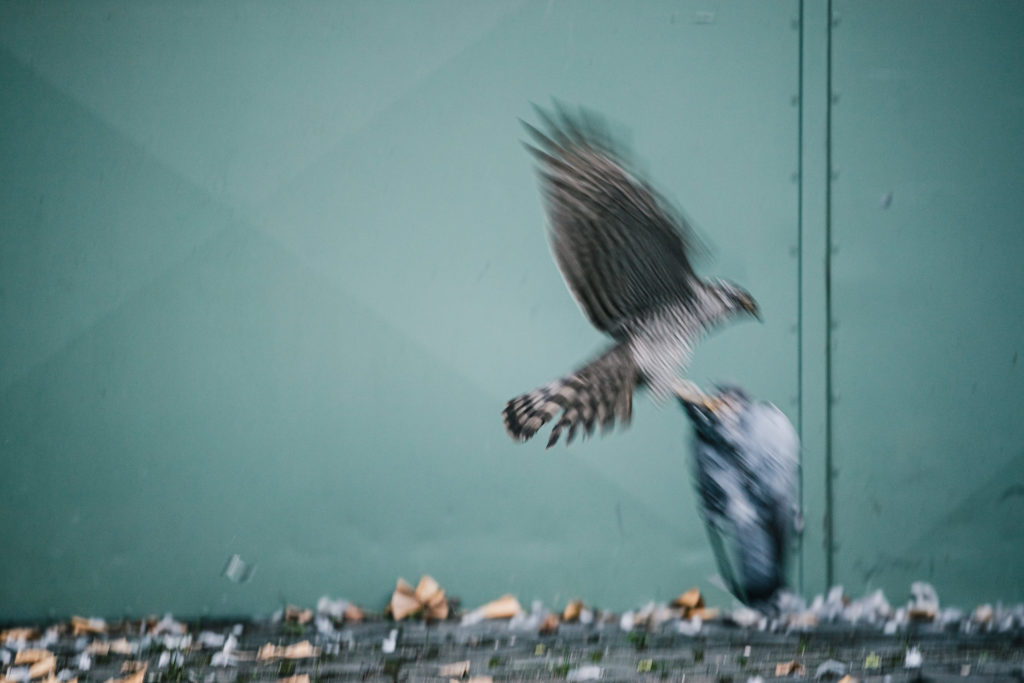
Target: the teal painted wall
pixel 928 297
pixel 268 275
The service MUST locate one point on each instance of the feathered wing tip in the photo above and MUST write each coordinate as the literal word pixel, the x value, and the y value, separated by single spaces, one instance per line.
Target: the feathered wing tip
pixel 599 393
pixel 568 130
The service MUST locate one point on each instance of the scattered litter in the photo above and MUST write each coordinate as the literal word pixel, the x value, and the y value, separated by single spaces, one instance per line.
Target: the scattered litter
pixel 983 614
pixel 924 605
pixel 300 650
pixel 18 674
pixel 211 639
pixel 691 599
pixel 965 670
pixel 137 677
pixel 455 670
pixel 549 625
pixel 532 621
pixel 340 610
pixel 170 626
pixel 427 598
pixel 301 678
pixel 167 658
pixel 41 662
pixel 914 659
pixel 5 657
pixel 790 668
pixel 690 627
pixel 238 570
pixel 227 656
pixel 830 668
pixel 324 626
pixel 873 661
pixel 589 672
pixel 81 626
pixel 83 662
pixel 298 615
pixel 505 607
pixel 746 617
pixel 627 621
pixel 18 635
pixel 390 643
pixel 572 611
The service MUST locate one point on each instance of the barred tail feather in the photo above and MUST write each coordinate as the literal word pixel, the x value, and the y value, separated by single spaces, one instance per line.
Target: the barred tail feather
pixel 599 393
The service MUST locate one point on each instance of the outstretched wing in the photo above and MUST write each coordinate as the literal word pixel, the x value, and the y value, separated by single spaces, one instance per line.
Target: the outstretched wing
pixel 620 247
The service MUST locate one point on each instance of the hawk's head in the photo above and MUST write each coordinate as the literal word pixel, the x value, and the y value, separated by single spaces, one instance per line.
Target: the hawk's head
pixel 737 300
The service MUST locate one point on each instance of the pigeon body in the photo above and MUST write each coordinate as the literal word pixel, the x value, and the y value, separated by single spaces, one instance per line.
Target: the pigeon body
pixel 745 468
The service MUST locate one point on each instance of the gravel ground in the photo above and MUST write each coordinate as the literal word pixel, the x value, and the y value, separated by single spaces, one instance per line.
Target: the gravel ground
pixel 720 652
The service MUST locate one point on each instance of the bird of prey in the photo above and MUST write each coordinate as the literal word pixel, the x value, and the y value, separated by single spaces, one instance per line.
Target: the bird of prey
pixel 625 256
pixel 745 465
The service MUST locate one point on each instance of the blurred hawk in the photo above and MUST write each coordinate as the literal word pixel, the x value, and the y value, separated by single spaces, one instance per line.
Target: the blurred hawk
pixel 625 256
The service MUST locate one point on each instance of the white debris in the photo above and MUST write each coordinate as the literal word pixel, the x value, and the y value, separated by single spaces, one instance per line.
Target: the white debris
pixel 872 609
pixel 177 642
pixel 332 608
pixel 66 675
pixel 746 617
pixel 589 672
pixel 755 679
pixel 789 602
pixel 390 643
pixel 83 662
pixel 5 657
pixel 983 614
pixel 223 659
pixel 166 658
pixel 18 674
pixel 325 626
pixel 891 627
pixel 830 607
pixel 529 622
pixel 211 639
pixel 586 616
pixel 50 638
pixel 474 617
pixel 830 668
pixel 237 630
pixel 950 615
pixel 238 570
pixel 914 659
pixel 690 627
pixel 627 621
pixel 170 626
pixel 925 596
pixel 226 657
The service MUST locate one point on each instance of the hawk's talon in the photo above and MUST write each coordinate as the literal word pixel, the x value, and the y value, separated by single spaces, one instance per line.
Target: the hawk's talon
pixel 713 403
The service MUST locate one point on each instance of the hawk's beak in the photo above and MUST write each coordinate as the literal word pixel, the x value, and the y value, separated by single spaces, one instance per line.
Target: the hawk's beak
pixel 752 308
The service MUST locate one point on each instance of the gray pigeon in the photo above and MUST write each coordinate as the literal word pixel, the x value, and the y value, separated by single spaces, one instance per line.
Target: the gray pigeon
pixel 745 466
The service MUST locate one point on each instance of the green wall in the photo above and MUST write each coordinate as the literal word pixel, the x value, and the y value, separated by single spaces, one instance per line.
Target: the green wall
pixel 269 272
